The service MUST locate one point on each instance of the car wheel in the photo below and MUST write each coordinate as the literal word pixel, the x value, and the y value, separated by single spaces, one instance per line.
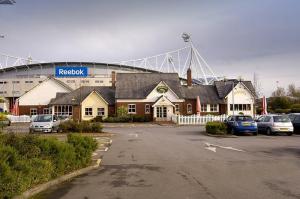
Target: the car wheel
pixel 233 131
pixel 269 132
pixel 290 133
pixel 255 133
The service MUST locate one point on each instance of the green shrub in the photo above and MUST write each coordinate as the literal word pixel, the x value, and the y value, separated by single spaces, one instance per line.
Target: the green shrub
pixel 217 128
pixel 122 111
pixel 26 161
pixel 129 118
pixel 84 146
pixel 295 110
pixel 282 110
pixel 80 127
pixel 97 119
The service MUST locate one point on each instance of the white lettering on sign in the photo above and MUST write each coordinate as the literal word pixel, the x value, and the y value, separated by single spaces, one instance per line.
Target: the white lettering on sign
pixel 70 72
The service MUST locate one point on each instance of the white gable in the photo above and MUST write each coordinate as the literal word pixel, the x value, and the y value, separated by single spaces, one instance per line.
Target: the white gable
pixel 42 93
pixel 163 101
pixel 154 94
pixel 242 95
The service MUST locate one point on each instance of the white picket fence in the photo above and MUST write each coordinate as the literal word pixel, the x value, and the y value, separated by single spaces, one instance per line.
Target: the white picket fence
pixel 19 119
pixel 197 119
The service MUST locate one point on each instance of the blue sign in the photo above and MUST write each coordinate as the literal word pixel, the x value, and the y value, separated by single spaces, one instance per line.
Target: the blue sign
pixel 71 71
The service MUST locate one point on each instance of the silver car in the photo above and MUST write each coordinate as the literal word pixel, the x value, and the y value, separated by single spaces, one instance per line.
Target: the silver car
pixel 45 123
pixel 274 124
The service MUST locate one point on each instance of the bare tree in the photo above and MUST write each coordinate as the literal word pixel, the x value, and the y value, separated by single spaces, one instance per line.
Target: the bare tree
pixel 279 92
pixel 293 91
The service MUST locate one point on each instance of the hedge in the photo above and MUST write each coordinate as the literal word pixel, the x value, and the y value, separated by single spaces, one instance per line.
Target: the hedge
pixel 80 127
pixel 216 128
pixel 26 161
pixel 129 118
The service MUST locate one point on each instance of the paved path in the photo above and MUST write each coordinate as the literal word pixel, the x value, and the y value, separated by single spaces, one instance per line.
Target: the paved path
pixel 175 162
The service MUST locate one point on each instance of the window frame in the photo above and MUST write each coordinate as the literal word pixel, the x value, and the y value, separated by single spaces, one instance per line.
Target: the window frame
pixel 33 109
pixel 177 108
pixel 129 109
pixel 89 111
pixel 213 107
pixel 203 108
pixel 100 111
pixel 147 107
pixel 189 108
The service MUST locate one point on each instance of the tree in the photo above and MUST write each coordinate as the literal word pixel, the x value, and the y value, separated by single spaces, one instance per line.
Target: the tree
pixel 279 92
pixel 280 103
pixel 293 91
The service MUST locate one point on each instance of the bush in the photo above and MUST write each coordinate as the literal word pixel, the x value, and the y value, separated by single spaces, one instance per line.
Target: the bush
pixel 216 128
pixel 39 160
pixel 129 118
pixel 97 119
pixel 285 111
pixel 80 127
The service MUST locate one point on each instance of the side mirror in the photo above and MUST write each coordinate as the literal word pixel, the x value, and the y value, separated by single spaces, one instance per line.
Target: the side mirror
pixel 54 120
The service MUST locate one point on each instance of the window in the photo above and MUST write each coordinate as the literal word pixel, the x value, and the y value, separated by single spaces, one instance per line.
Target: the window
pixel 15 92
pixel 3 82
pixel 28 82
pixel 98 81
pixel 214 108
pixel 203 107
pixel 131 108
pixel 3 92
pixel 71 81
pixel 63 110
pixel 33 111
pixel 147 108
pixel 46 111
pixel 100 112
pixel 240 107
pixel 88 111
pixel 189 108
pixel 176 108
pixel 15 82
pixel 267 119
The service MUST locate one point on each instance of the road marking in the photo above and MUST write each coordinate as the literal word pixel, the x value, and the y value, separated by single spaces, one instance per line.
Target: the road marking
pixel 213 147
pixel 134 134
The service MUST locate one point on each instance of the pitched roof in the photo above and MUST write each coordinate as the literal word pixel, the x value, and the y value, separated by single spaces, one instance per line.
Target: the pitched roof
pixel 77 96
pixel 139 85
pixel 208 94
pixel 225 87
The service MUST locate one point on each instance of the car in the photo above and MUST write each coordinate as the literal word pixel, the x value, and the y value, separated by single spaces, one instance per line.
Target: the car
pixel 275 124
pixel 237 124
pixel 45 123
pixel 295 119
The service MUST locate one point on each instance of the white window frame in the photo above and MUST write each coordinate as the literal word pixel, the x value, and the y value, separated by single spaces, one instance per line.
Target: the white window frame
pixel 147 109
pixel 189 108
pixel 102 112
pixel 177 109
pixel 47 111
pixel 33 110
pixel 130 108
pixel 85 111
pixel 203 107
pixel 63 110
pixel 213 107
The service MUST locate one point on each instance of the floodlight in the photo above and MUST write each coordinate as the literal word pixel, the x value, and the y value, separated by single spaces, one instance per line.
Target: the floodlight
pixel 186 37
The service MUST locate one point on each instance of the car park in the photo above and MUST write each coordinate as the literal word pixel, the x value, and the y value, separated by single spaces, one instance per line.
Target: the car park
pixel 237 124
pixel 45 123
pixel 295 119
pixel 275 124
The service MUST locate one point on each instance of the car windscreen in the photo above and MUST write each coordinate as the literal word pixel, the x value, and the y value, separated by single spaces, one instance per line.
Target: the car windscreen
pixel 43 118
pixel 244 118
pixel 281 119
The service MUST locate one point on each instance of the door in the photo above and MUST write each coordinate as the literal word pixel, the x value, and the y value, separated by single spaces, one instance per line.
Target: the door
pixel 161 113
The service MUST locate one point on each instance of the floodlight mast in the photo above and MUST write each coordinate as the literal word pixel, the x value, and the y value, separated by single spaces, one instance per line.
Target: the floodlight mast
pixel 196 58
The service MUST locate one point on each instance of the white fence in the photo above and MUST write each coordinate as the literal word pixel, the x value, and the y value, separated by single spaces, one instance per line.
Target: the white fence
pixel 19 119
pixel 197 119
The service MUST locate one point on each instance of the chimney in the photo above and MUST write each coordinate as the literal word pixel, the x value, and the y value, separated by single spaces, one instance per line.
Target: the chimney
pixel 113 79
pixel 189 77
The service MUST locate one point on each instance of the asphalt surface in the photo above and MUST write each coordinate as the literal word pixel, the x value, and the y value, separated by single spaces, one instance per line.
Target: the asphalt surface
pixel 174 162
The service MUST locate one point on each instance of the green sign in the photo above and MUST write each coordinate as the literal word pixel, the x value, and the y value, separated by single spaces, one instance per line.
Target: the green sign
pixel 162 89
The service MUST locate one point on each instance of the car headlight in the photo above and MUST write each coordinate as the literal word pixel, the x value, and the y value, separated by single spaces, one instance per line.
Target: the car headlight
pixel 47 126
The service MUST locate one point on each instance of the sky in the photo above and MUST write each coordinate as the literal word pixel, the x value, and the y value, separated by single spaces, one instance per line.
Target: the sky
pixel 236 37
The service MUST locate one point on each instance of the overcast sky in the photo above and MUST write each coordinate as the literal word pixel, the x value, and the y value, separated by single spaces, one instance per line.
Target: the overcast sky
pixel 236 37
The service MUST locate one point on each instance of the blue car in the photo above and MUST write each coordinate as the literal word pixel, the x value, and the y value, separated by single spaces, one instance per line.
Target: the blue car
pixel 238 124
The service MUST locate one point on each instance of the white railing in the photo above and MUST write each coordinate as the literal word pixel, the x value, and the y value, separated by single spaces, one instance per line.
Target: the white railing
pixel 197 119
pixel 19 119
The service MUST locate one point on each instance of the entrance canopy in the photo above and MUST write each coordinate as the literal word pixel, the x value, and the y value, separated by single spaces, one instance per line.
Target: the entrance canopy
pixel 163 101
